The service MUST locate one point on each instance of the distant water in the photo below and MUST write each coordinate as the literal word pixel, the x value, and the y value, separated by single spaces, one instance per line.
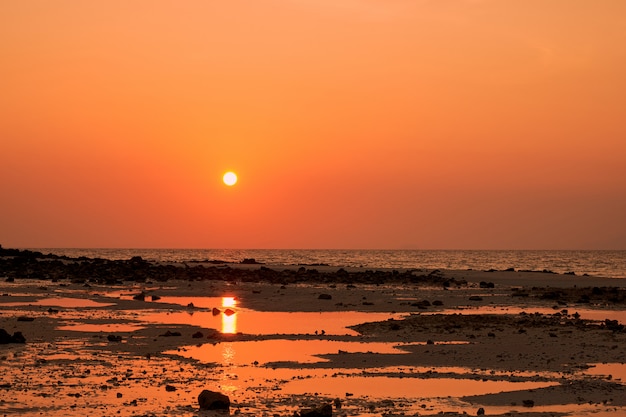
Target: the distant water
pixel 603 263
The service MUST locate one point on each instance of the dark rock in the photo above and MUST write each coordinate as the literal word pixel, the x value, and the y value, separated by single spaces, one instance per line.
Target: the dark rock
pixel 480 412
pixel 155 298
pixel 114 338
pixel 437 303
pixel 528 403
pixel 476 298
pixel 325 410
pixel 25 318
pixel 170 334
pixel 484 284
pixel 325 297
pixel 6 338
pixel 229 312
pixel 211 400
pixel 18 337
pixel 421 304
pixel 141 296
pixel 250 261
pixel 197 335
pixel 215 311
pixel 170 388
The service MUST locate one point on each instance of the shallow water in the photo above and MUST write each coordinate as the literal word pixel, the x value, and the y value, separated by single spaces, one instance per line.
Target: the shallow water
pixel 65 302
pixel 604 263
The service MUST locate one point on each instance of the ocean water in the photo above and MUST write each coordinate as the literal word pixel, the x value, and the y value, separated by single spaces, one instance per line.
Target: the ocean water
pixel 603 263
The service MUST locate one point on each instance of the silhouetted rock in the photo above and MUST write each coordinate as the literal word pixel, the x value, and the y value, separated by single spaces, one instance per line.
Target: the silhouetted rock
pixel 18 337
pixel 114 338
pixel 250 261
pixel 197 335
pixel 325 297
pixel 6 338
pixel 325 410
pixel 211 400
pixel 170 334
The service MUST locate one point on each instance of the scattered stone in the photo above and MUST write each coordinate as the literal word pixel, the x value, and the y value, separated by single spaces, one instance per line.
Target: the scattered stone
pixel 25 318
pixel 212 400
pixel 476 298
pixel 216 311
pixel 229 312
pixel 140 297
pixel 528 403
pixel 155 298
pixel 484 284
pixel 170 388
pixel 325 297
pixel 480 412
pixel 197 335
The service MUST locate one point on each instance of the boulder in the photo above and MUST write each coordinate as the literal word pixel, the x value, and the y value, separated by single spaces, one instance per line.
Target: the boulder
pixel 212 400
pixel 6 338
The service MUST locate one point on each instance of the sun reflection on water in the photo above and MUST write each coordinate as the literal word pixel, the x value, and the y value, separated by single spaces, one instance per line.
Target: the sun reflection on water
pixel 229 318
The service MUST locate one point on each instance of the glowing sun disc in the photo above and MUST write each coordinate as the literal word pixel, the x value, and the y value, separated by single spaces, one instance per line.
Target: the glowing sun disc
pixel 230 178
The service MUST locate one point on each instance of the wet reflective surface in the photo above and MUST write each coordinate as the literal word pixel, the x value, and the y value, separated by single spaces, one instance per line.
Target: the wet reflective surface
pixel 80 370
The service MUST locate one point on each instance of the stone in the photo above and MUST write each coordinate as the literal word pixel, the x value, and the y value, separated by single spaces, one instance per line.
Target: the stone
pixel 170 388
pixel 325 410
pixel 18 337
pixel 170 334
pixel 212 400
pixel 197 335
pixel 114 338
pixel 480 412
pixel 4 337
pixel 325 297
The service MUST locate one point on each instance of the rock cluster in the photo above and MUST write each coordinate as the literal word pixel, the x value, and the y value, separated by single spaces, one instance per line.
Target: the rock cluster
pixel 18 264
pixel 6 338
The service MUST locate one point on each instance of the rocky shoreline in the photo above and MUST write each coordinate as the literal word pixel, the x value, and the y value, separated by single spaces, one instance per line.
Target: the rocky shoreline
pixel 502 327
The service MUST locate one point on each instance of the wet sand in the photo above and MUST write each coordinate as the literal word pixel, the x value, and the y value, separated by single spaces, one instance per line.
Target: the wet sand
pixel 91 347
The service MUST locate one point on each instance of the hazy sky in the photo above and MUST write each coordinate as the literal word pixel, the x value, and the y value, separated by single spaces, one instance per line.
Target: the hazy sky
pixel 435 124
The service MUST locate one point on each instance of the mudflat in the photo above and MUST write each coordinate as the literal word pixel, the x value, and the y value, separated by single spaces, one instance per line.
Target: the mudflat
pixel 138 338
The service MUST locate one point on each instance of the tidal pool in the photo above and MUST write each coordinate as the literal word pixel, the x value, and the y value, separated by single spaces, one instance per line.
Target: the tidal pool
pixel 65 302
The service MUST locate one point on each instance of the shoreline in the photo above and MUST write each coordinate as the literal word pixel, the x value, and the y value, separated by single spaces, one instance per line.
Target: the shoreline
pixel 502 324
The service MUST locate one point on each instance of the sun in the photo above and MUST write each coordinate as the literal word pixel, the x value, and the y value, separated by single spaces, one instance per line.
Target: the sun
pixel 230 178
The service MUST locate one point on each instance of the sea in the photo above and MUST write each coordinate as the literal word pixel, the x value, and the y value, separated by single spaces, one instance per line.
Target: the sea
pixel 601 263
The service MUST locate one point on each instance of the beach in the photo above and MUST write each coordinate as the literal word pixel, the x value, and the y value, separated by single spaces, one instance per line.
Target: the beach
pixel 142 338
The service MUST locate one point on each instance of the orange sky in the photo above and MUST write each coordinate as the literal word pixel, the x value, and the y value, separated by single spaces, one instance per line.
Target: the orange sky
pixel 351 123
